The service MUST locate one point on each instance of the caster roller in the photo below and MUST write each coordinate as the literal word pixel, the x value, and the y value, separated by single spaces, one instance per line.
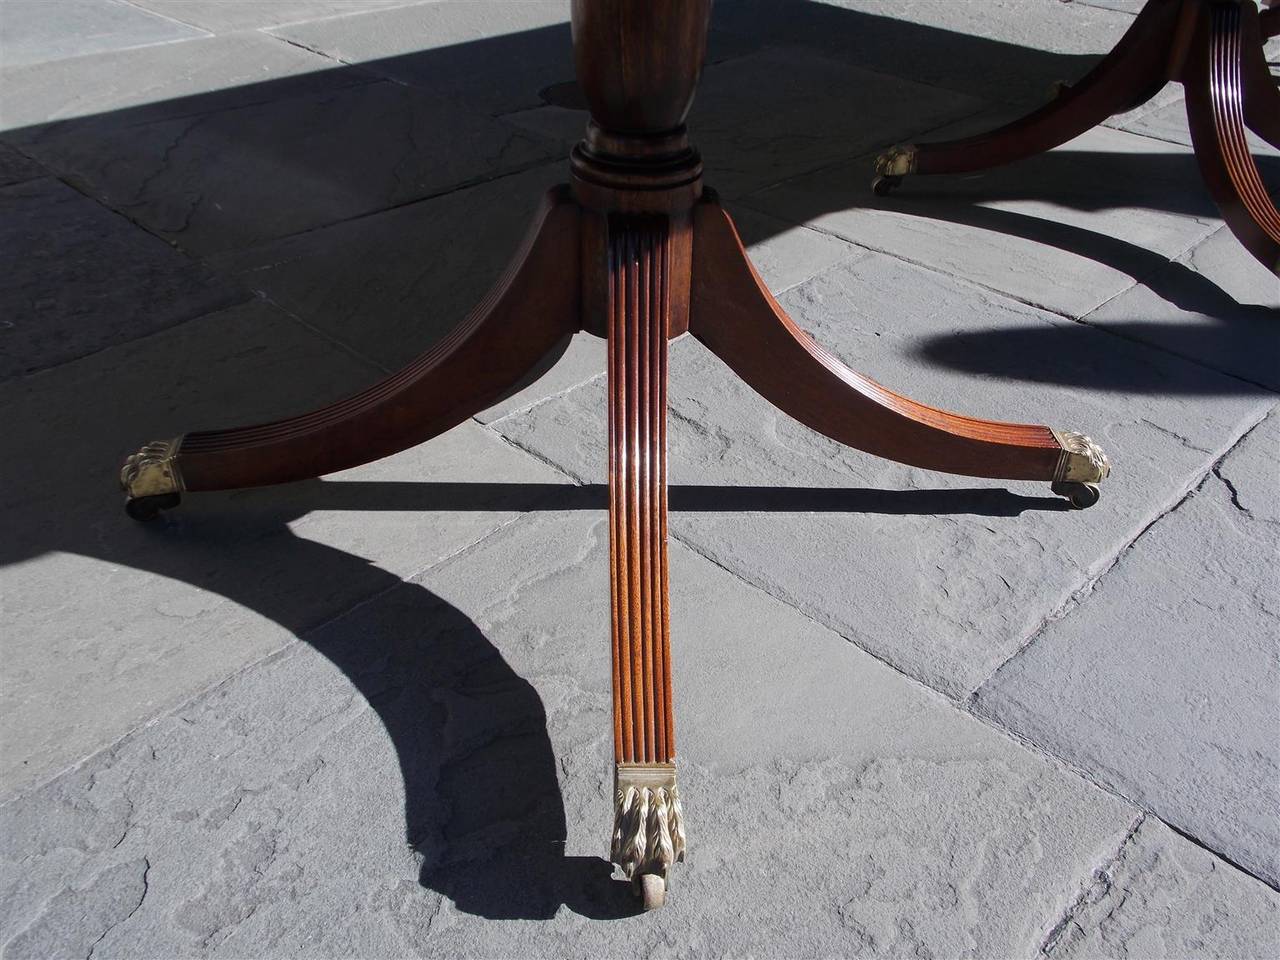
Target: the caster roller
pixel 652 890
pixel 883 186
pixel 1081 495
pixel 148 508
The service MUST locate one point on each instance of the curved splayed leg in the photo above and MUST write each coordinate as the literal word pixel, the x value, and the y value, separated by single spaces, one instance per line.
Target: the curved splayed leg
pixel 1129 75
pixel 1214 79
pixel 734 315
pixel 529 314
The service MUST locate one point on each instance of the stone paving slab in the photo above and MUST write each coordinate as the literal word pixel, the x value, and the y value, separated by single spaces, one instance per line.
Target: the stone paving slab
pixel 1165 897
pixel 1066 231
pixel 495 56
pixel 786 255
pixel 500 56
pixel 35 31
pixel 837 806
pixel 393 284
pixel 1011 57
pixel 1124 6
pixel 79 278
pixel 238 177
pixel 224 16
pixel 944 577
pixel 122 88
pixel 109 621
pixel 1165 118
pixel 15 167
pixel 826 796
pixel 1215 304
pixel 806 111
pixel 1164 682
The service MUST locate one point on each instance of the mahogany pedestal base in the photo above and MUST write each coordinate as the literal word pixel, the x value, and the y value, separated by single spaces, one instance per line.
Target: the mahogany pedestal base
pixel 636 252
pixel 1214 49
pixel 638 280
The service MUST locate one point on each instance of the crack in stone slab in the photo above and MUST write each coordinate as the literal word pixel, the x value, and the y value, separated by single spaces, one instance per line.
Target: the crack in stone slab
pixel 146 871
pixel 1101 874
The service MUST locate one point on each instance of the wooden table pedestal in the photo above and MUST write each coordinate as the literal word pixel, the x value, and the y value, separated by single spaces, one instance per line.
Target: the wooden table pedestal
pixel 636 251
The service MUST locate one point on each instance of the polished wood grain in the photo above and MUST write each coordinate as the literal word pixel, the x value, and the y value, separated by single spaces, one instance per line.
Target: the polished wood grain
pixel 638 63
pixel 639 301
pixel 636 175
pixel 1212 47
pixel 1216 95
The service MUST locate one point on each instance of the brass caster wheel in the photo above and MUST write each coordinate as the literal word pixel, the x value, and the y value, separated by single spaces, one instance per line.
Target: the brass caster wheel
pixel 883 186
pixel 1081 495
pixel 148 508
pixel 652 890
pixel 1058 88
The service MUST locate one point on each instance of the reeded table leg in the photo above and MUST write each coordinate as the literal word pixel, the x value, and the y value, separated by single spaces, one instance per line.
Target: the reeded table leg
pixel 648 832
pixel 1216 112
pixel 533 310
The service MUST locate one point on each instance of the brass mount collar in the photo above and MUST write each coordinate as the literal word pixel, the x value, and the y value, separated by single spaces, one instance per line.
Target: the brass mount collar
pixel 1081 459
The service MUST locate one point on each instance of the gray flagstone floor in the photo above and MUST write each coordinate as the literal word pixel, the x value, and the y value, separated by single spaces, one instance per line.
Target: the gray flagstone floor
pixel 368 715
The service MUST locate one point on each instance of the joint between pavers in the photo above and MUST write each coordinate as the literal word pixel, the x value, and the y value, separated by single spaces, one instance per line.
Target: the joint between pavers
pixel 567 474
pixel 323 334
pixel 963 706
pixel 1077 596
pixel 1218 854
pixel 444 192
pixel 534 404
pixel 909 677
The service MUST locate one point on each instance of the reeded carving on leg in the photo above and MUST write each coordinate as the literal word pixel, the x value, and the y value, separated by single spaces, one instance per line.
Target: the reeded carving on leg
pixel 648 825
pixel 152 472
pixel 1218 81
pixel 1081 461
pixel 648 835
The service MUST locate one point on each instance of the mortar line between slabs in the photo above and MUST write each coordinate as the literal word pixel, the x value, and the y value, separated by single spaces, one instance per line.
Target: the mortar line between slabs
pixel 1087 587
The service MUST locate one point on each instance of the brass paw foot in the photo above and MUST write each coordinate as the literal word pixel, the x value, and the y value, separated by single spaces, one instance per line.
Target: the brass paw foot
pixel 1081 466
pixel 648 827
pixel 150 479
pixel 891 166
